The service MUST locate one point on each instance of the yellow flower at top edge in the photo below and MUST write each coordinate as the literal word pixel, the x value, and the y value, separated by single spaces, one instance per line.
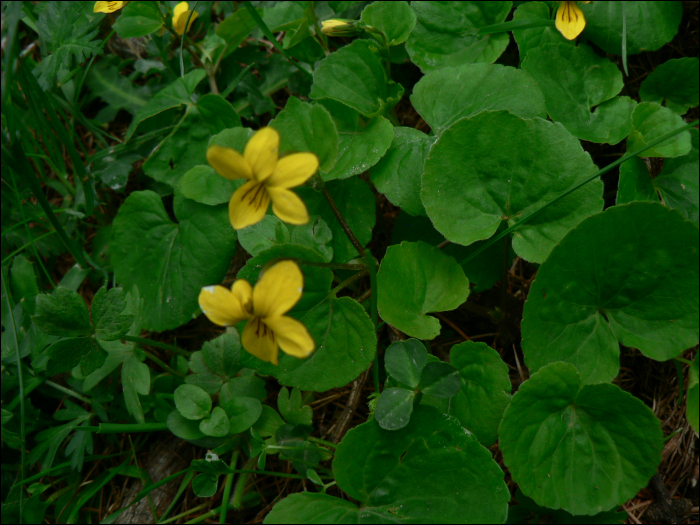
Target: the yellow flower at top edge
pixel 269 179
pixel 180 14
pixel 570 20
pixel 108 7
pixel 268 329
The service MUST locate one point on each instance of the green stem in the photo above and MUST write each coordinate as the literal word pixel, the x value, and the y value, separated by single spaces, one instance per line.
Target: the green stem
pixel 186 513
pixel 240 484
pixel 149 342
pixel 343 223
pixel 236 81
pixel 227 487
pixel 372 266
pixel 320 37
pixel 68 391
pixel 163 365
pixel 685 361
pixel 205 516
pixel 117 428
pixel 333 266
pixel 321 442
pixel 348 282
pixel 607 168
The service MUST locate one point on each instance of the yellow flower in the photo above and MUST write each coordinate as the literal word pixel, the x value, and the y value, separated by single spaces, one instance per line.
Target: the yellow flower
pixel 108 7
pixel 339 27
pixel 269 179
pixel 180 14
pixel 570 21
pixel 268 329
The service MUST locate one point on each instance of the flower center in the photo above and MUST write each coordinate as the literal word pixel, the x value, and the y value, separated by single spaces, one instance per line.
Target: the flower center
pixel 255 196
pixel 262 330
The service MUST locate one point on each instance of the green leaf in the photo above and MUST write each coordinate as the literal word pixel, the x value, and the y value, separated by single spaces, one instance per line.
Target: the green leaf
pixel 219 361
pixel 635 183
pixel 205 485
pixel 305 456
pixel 138 19
pixel 292 408
pixel 355 201
pixel 582 448
pixel 23 283
pixel 394 408
pixel 66 354
pixel 649 24
pixel 67 30
pixel 314 507
pixel 243 412
pixel 345 347
pixel 269 422
pixel 691 402
pixel 472 183
pixel 263 235
pixel 574 80
pixel 415 279
pixel 173 96
pixel 244 386
pixel 64 313
pixel 116 90
pixel 217 425
pixel 283 15
pixel 440 379
pixel 398 174
pixel 676 82
pixel 528 507
pixel 629 274
pixel 307 127
pixel 186 146
pixel 651 121
pixel 192 402
pixel 534 37
pixel 108 315
pixel 235 28
pixel 203 184
pixel 395 20
pixel 170 262
pixel 317 235
pixel 354 76
pixel 184 428
pixel 405 360
pixel 136 379
pixel 678 182
pixel 443 97
pixel 446 34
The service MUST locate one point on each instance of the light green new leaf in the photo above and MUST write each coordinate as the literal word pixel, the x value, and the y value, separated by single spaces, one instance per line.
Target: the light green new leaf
pixel 676 81
pixel 203 184
pixel 292 409
pixel 217 425
pixel 415 279
pixel 192 402
pixel 629 274
pixel 581 448
pixel 138 19
pixel 395 20
pixel 651 121
pixel 170 262
pixel 443 97
pixel 63 313
pixel 495 167
pixel 446 33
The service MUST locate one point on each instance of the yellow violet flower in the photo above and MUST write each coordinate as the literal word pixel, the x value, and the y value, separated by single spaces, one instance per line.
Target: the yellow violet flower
pixel 269 179
pixel 268 329
pixel 108 7
pixel 570 20
pixel 180 14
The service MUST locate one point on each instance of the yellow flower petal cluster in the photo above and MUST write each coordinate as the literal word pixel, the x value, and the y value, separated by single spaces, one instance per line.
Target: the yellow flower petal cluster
pixel 268 329
pixel 108 7
pixel 339 27
pixel 570 20
pixel 269 179
pixel 180 14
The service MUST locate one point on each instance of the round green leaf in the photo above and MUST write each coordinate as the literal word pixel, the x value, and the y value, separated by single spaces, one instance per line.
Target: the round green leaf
pixel 574 80
pixel 446 34
pixel 394 408
pixel 398 174
pixel 440 379
pixel 354 75
pixel 307 127
pixel 404 361
pixel 443 97
pixel 395 20
pixel 192 402
pixel 472 183
pixel 531 38
pixel 170 262
pixel 649 24
pixel 205 485
pixel 203 184
pixel 691 403
pixel 184 428
pixel 263 235
pixel 676 82
pixel 415 279
pixel 317 235
pixel 678 182
pixel 243 412
pixel 581 448
pixel 216 425
pixel 651 121
pixel 430 471
pixel 345 347
pixel 629 274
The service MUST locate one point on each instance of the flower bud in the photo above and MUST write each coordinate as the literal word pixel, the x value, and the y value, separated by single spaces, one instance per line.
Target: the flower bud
pixel 339 27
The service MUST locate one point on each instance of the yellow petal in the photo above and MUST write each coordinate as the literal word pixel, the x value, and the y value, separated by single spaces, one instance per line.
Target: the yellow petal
pixel 278 290
pixel 570 21
pixel 259 339
pixel 243 293
pixel 108 7
pixel 180 14
pixel 248 205
pixel 293 337
pixel 228 163
pixel 221 306
pixel 293 170
pixel 262 152
pixel 288 206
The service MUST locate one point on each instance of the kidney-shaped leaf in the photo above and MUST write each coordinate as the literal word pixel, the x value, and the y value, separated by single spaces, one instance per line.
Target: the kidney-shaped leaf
pixel 651 121
pixel 394 408
pixel 404 361
pixel 676 82
pixel 395 20
pixel 170 262
pixel 496 167
pixel 415 279
pixel 581 448
pixel 629 274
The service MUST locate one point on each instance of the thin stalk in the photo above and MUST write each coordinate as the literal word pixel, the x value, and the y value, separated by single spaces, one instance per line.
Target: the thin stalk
pixel 21 249
pixel 68 391
pixel 236 81
pixel 118 428
pixel 343 223
pixel 333 266
pixel 321 442
pixel 240 484
pixel 153 358
pixel 30 387
pixel 227 487
pixel 148 342
pixel 205 516
pixel 372 266
pixel 186 513
pixel 347 282
pixel 320 37
pixel 607 168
